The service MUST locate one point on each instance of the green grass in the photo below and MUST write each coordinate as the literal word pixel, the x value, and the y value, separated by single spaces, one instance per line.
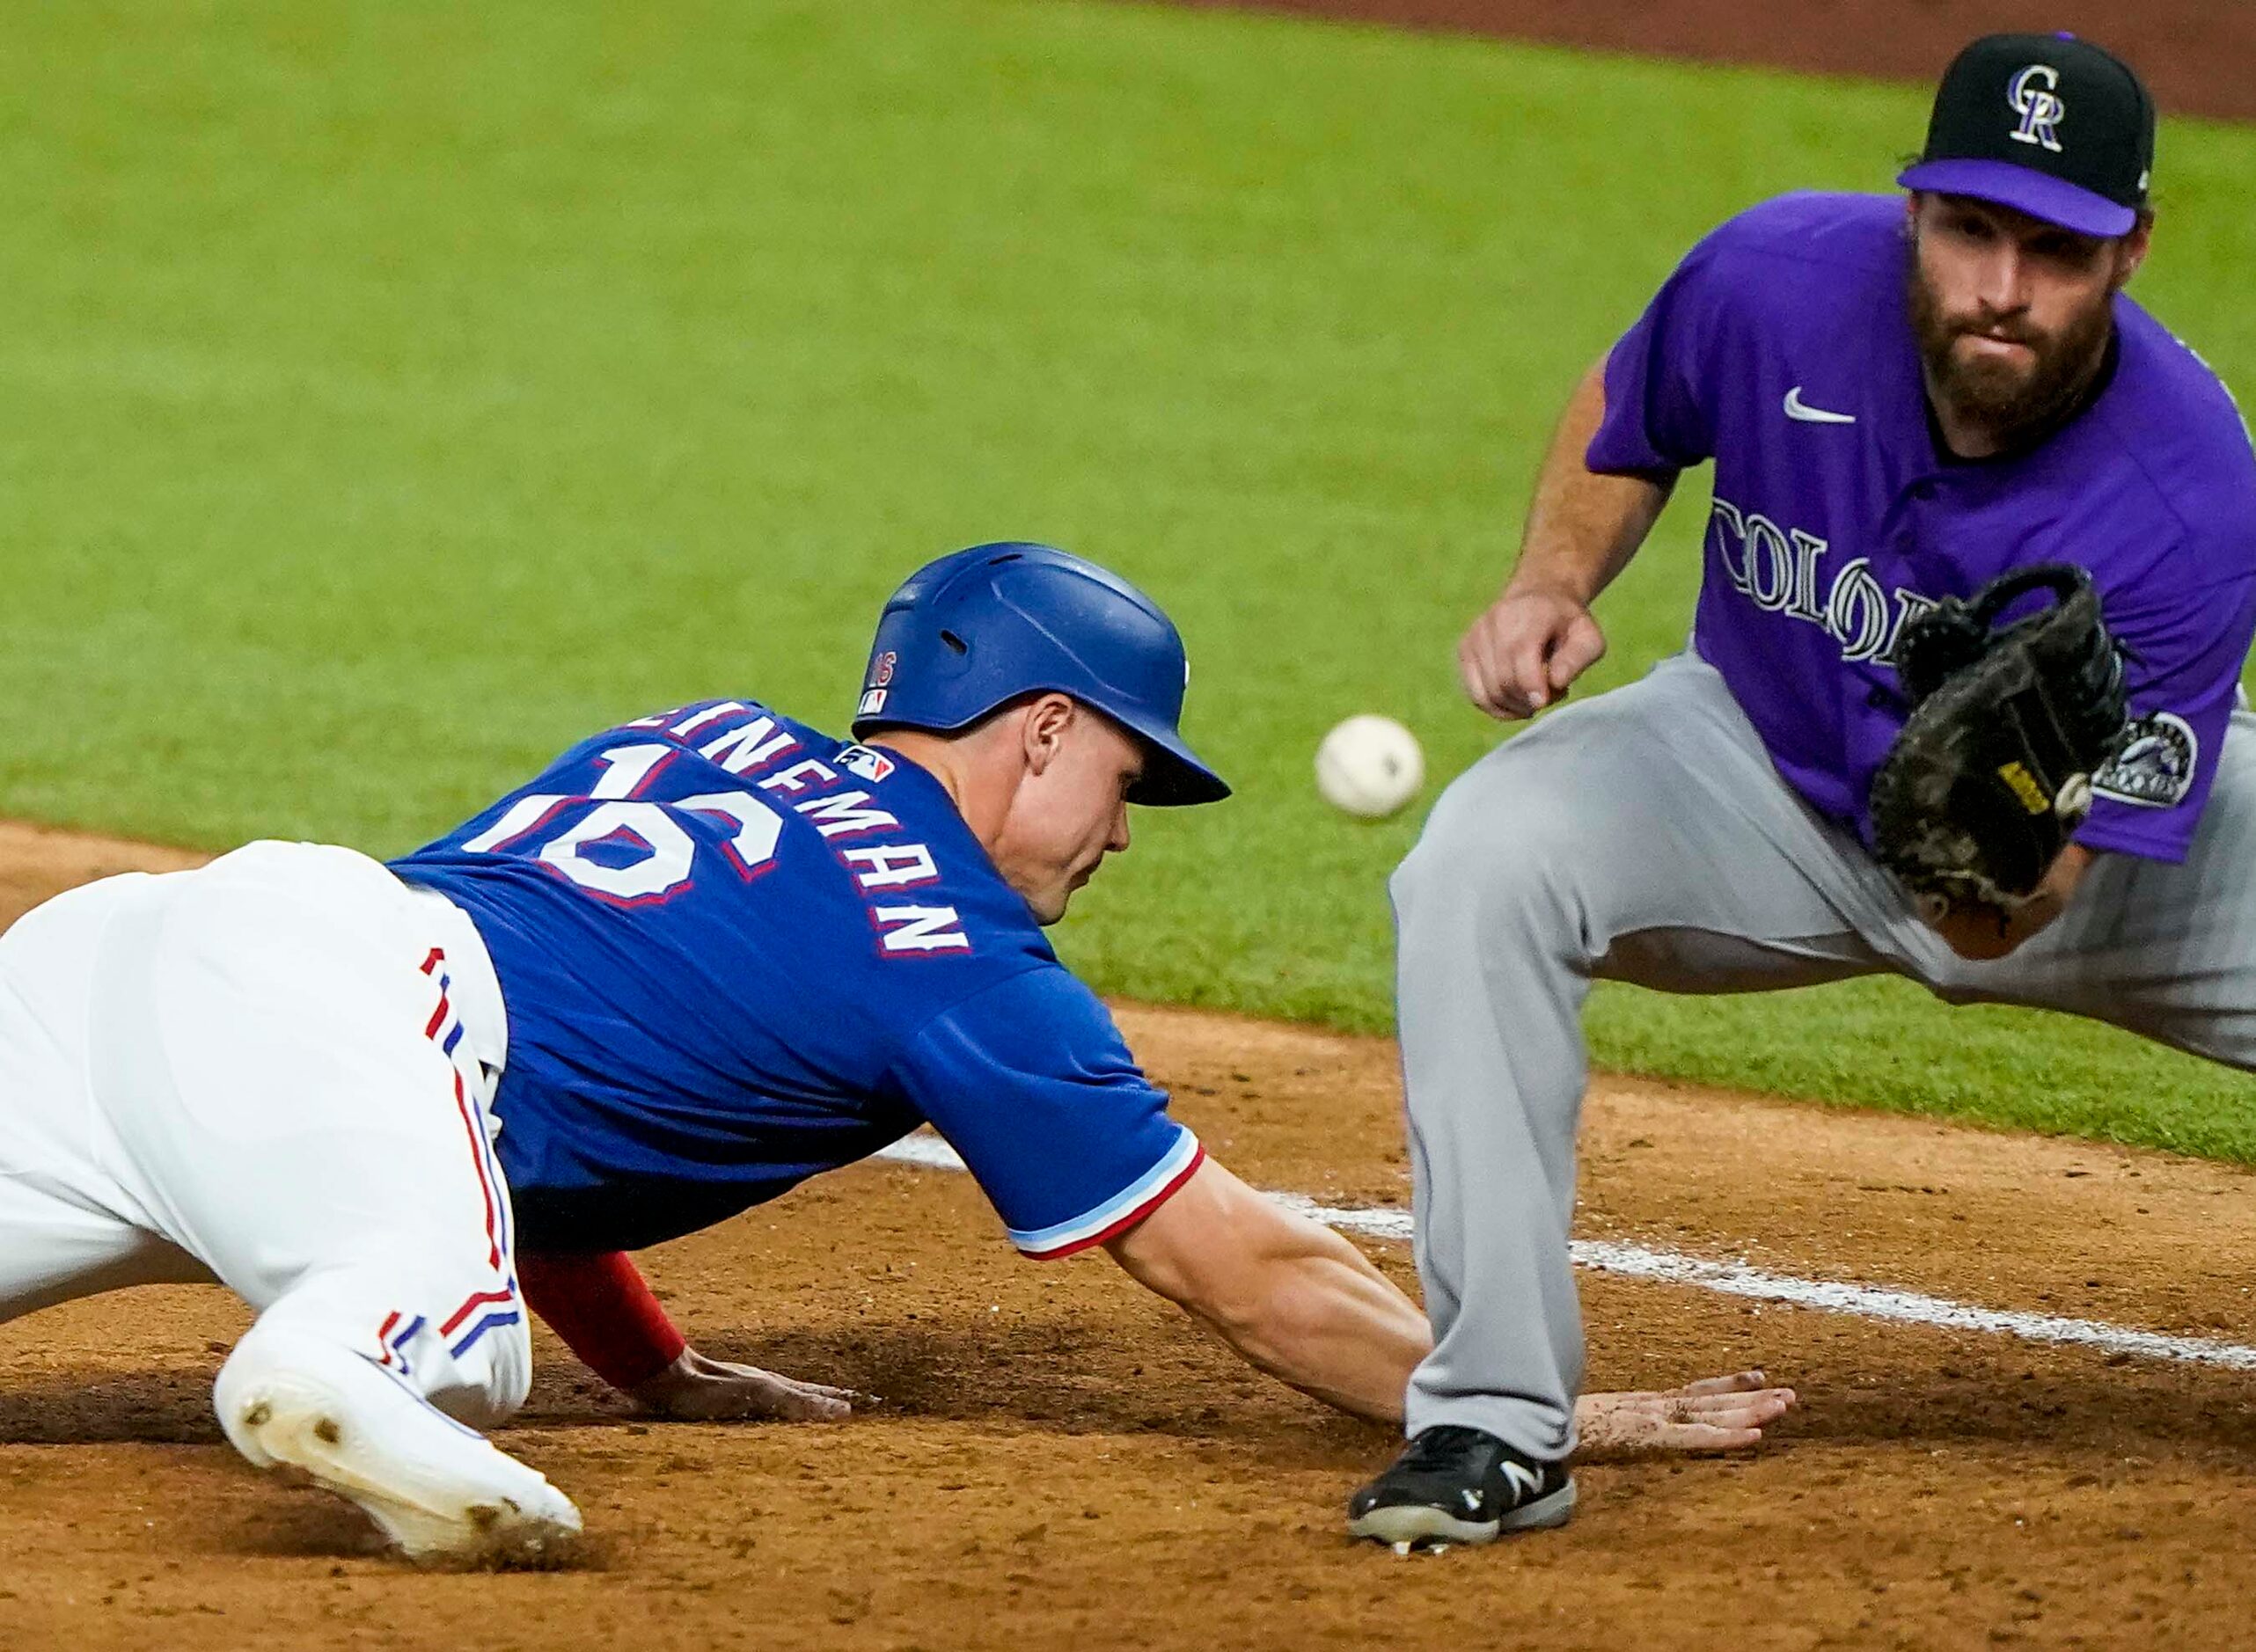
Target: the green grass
pixel 394 392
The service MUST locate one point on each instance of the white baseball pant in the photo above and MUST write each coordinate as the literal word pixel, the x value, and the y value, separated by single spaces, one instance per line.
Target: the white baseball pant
pixel 271 1072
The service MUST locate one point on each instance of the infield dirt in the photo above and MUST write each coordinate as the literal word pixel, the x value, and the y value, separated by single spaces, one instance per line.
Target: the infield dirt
pixel 1059 1461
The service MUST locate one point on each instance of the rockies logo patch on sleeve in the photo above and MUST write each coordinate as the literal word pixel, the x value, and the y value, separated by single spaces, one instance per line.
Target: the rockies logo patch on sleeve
pixel 2154 768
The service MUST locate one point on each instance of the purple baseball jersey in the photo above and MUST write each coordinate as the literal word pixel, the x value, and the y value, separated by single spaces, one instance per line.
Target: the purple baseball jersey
pixel 1782 348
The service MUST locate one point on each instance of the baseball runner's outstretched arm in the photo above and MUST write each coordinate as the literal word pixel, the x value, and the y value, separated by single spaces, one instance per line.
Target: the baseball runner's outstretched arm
pixel 1293 1296
pixel 1583 527
pixel 1305 1306
pixel 1290 1296
pixel 605 1313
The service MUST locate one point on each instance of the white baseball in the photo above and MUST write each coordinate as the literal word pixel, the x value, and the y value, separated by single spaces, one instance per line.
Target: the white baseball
pixel 1369 766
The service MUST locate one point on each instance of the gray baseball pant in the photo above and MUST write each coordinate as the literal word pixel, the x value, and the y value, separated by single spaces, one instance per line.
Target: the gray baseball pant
pixel 1644 836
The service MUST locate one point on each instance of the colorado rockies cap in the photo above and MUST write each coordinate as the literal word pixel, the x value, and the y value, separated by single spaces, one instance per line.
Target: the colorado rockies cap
pixel 2046 124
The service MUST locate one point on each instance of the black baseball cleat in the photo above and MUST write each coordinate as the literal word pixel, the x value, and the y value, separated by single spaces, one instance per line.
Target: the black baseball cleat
pixel 1456 1485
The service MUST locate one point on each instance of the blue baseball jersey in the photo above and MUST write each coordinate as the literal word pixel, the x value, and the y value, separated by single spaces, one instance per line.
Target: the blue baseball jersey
pixel 1783 348
pixel 736 952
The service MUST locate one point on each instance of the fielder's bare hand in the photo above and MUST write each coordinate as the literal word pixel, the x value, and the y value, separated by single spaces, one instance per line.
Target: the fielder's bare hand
pixel 695 1389
pixel 1716 1413
pixel 1583 528
pixel 1984 933
pixel 1526 651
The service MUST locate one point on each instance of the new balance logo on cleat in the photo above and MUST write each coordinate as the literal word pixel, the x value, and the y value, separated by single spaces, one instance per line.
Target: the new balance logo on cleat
pixel 1457 1485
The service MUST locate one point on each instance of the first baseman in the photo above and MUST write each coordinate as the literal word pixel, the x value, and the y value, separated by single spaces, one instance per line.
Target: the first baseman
pixel 701 957
pixel 1904 399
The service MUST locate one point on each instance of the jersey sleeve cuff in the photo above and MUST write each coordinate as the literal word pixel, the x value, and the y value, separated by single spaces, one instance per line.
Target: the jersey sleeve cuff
pixel 1116 1214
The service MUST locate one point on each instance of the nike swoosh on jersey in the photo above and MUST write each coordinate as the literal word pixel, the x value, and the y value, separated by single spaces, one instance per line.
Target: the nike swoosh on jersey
pixel 1796 408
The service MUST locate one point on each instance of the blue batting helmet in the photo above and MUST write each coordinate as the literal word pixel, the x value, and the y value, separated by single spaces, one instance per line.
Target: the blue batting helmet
pixel 968 634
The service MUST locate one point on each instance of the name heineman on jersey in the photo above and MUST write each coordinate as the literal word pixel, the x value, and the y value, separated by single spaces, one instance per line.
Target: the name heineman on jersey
pixel 748 742
pixel 1779 569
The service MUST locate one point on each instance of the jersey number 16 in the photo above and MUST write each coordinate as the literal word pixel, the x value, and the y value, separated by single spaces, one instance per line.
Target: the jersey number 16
pixel 618 817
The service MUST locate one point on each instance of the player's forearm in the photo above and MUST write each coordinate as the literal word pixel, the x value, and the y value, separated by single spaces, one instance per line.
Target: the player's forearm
pixel 1321 1318
pixel 1583 527
pixel 1290 1296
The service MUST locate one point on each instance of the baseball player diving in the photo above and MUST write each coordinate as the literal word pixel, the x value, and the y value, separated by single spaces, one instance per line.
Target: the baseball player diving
pixel 1959 700
pixel 700 958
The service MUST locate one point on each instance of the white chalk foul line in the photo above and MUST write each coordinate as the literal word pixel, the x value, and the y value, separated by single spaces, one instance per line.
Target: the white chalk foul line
pixel 1908 1307
pixel 929 1151
pixel 1737 1279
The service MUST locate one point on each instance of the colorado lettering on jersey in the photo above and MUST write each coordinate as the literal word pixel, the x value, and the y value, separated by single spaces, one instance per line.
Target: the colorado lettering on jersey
pixel 750 744
pixel 1778 568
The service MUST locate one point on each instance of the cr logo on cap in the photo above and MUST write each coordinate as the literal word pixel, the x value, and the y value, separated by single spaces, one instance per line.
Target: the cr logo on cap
pixel 2032 97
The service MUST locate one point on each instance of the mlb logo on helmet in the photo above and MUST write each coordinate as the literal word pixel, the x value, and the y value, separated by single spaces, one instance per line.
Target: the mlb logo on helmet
pixel 881 677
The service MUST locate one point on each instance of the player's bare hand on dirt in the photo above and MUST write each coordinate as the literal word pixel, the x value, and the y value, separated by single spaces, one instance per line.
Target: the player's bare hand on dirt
pixel 1716 1413
pixel 695 1389
pixel 1526 651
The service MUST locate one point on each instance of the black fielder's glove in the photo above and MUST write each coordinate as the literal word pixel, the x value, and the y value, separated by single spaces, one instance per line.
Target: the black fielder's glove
pixel 1993 769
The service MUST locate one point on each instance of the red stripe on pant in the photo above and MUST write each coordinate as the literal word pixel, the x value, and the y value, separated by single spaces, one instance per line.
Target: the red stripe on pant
pixel 478 1163
pixel 431 964
pixel 481 1299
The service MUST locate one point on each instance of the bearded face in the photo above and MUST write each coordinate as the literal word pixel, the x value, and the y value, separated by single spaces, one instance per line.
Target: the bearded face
pixel 2012 315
